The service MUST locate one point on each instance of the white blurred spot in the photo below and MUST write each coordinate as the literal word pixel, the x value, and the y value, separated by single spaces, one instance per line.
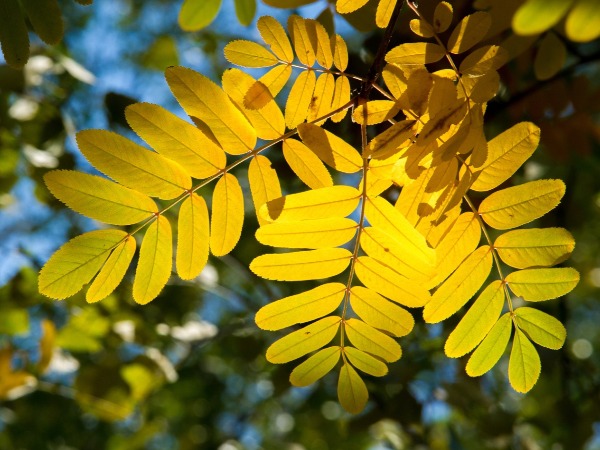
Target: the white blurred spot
pixel 595 276
pixel 230 445
pixel 533 171
pixel 163 363
pixel 582 348
pixel 209 276
pixel 264 388
pixel 23 109
pixel 194 331
pixel 77 71
pixel 36 67
pixel 125 329
pixel 331 410
pixel 62 362
pixel 27 387
pixel 284 422
pixel 40 158
pixel 163 329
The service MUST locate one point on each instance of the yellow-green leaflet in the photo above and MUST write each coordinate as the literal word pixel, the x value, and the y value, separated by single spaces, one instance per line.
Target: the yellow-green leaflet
pixel 315 367
pixel 381 214
pixel 518 205
pixel 535 247
pixel 477 322
pixel 203 99
pixel 318 233
pixel 491 349
pixel 298 102
pixel 352 391
pixel 506 153
pixel 132 165
pixel 99 198
pixel 299 266
pixel 392 253
pixel 334 201
pixel 304 307
pixel 460 286
pixel 542 328
pixel 582 21
pixel 484 60
pixel 415 54
pixel 331 149
pixel 264 183
pixel 550 57
pixel 155 261
pixel 306 165
pixel 113 271
pixel 536 16
pixel 305 50
pixel 196 15
pixel 76 262
pixel 340 53
pixel 469 31
pixel 537 285
pixel 176 139
pixel 371 340
pixel 462 239
pixel 365 362
pixel 275 37
pixel 524 365
pixel 389 283
pixel 228 218
pixel 442 17
pixel 305 340
pixel 248 54
pixel 381 313
pixel 192 237
pixel 320 103
pixel 267 121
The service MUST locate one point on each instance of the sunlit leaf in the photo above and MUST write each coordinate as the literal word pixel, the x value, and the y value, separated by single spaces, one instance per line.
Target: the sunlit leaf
pixel 365 362
pixel 352 391
pixel 195 15
pixel 264 183
pixel 536 16
pixel 113 271
pixel 524 366
pixel 331 149
pixel 315 367
pixel 192 237
pixel 469 31
pixel 491 348
pixel 248 54
pixel 442 17
pixel 306 165
pixel 381 313
pixel 537 285
pixel 542 328
pixel 276 38
pixel 316 233
pixel 415 53
pixel 299 99
pixel 305 50
pixel 583 21
pixel 228 218
pixel 370 340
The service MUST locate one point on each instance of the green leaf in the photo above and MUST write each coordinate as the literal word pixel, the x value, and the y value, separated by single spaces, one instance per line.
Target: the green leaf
pixel 315 367
pixel 537 285
pixel 536 16
pixel 365 362
pixel 371 340
pixel 245 10
pixel 491 349
pixel 583 21
pixel 195 15
pixel 13 34
pixel 524 366
pixel 542 328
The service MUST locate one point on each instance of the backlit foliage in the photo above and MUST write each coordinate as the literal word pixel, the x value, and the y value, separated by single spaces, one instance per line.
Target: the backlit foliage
pixel 406 229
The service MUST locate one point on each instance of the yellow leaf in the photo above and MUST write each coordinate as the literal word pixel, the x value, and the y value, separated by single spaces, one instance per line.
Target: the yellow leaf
pixel 535 247
pixel 518 205
pixel 352 391
pixel 482 89
pixel 583 21
pixel 303 45
pixel 306 165
pixel 331 149
pixel 267 87
pixel 249 54
pixel 371 340
pixel 537 285
pixel 375 111
pixel 524 365
pixel 385 8
pixel 334 201
pixel 484 60
pixel 395 79
pixel 322 98
pixel 340 53
pixel 300 98
pixel 305 340
pixel 536 16
pixel 469 31
pixel 113 271
pixel 442 17
pixel 155 261
pixel 315 367
pixel 415 53
pixel 192 237
pixel 267 121
pixel 76 262
pixel 542 328
pixel 341 96
pixel 264 183
pixel 99 198
pixel 176 139
pixel 310 305
pixel 348 6
pixel 317 233
pixel 460 286
pixel 227 215
pixel 550 57
pixel 275 37
pixel 47 344
pixel 477 322
pixel 300 266
pixel 132 165
pixel 439 124
pixel 365 362
pixel 322 43
pixel 203 99
pixel 380 313
pixel 382 279
pixel 506 153
pixel 392 140
pixel 421 28
pixel 491 349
